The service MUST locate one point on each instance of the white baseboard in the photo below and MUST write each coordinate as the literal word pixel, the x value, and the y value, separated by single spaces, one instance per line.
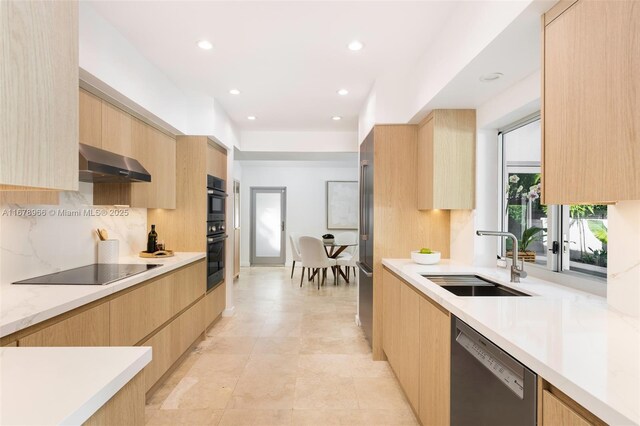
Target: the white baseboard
pixel 229 312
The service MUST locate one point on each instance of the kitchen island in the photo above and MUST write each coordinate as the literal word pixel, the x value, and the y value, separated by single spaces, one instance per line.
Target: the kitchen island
pixel 71 386
pixel 166 308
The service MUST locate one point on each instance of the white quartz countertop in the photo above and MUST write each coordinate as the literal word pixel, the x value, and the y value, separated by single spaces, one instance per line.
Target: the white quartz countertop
pixel 572 339
pixel 22 305
pixel 47 386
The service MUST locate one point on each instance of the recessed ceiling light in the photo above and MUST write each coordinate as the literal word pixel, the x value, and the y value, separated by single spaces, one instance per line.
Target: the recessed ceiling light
pixel 491 77
pixel 355 45
pixel 343 92
pixel 234 91
pixel 205 45
pixel 251 117
pixel 336 118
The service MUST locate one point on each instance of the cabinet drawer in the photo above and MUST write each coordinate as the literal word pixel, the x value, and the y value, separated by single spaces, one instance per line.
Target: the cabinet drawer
pixel 136 314
pixel 215 302
pixel 88 328
pixel 556 412
pixel 189 284
pixel 172 341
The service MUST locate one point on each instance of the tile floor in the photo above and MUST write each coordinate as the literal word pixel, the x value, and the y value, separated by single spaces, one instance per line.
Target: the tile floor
pixel 289 356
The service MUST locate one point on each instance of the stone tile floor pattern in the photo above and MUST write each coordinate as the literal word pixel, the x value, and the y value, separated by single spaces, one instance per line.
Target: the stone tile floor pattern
pixel 289 356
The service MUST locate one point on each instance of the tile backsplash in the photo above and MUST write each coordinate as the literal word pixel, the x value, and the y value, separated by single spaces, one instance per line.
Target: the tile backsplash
pixel 53 238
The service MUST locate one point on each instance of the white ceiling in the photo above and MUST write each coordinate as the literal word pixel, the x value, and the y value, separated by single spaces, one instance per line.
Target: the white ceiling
pixel 515 53
pixel 287 58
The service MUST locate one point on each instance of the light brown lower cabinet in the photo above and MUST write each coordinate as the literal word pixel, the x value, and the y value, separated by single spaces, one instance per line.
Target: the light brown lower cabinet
pixel 124 408
pixel 87 328
pixel 409 356
pixel 137 313
pixel 391 314
pixel 215 302
pixel 556 412
pixel 416 342
pixel 435 366
pixel 556 408
pixel 172 341
pixel 189 285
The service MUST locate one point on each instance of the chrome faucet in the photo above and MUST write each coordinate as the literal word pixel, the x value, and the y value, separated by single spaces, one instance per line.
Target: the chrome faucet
pixel 516 273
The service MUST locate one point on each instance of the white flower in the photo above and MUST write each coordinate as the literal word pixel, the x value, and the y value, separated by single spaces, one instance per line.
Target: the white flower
pixel 514 179
pixel 519 189
pixel 533 195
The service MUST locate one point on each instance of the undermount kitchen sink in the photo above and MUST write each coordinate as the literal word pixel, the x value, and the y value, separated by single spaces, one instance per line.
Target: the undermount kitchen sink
pixel 472 285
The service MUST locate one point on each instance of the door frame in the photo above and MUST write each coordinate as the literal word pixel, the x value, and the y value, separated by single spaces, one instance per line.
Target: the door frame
pixel 252 225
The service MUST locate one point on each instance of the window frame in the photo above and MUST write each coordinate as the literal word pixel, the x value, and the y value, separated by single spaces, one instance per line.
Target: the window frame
pixel 554 270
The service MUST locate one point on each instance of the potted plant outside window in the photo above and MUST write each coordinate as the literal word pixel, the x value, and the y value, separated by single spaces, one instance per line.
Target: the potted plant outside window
pixel 529 235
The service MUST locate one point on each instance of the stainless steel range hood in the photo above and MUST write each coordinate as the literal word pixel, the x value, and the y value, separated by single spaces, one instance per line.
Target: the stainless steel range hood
pixel 100 166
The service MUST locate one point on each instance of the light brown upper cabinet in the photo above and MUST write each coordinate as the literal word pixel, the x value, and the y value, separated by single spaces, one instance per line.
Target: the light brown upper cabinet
pixel 107 127
pixel 116 130
pixel 591 102
pixel 90 119
pixel 446 160
pixel 157 153
pixel 38 95
pixel 217 162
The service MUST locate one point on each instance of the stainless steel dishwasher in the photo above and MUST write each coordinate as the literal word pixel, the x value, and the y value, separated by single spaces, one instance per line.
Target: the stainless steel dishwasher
pixel 488 386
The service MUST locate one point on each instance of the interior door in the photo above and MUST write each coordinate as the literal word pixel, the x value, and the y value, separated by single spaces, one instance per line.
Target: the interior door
pixel 236 228
pixel 268 225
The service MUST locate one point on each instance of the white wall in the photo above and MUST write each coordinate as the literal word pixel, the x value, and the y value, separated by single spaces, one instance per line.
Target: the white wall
pixel 516 102
pixel 298 141
pixel 367 116
pixel 306 195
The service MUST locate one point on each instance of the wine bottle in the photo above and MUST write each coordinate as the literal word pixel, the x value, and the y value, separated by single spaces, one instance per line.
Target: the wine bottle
pixel 152 240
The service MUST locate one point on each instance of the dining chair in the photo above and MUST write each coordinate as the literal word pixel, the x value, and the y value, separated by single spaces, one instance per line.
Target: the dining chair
pixel 315 258
pixel 349 262
pixel 295 252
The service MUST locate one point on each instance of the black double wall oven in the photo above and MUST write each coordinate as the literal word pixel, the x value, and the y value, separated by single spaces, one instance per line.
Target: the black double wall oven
pixel 216 231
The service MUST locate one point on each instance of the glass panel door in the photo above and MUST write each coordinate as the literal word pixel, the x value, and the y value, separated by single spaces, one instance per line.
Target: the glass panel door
pixel 268 226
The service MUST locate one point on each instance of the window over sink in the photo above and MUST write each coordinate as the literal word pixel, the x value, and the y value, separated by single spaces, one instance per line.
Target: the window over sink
pixel 561 238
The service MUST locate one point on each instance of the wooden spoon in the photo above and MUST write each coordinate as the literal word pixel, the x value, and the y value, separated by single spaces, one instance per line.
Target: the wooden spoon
pixel 102 234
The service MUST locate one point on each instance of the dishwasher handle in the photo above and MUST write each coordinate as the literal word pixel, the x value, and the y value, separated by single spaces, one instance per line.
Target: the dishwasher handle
pixel 506 369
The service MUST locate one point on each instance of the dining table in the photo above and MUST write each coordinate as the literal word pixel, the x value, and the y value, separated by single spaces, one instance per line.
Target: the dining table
pixel 334 250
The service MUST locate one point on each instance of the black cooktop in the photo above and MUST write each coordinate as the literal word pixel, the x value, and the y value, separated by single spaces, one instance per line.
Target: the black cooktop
pixel 96 274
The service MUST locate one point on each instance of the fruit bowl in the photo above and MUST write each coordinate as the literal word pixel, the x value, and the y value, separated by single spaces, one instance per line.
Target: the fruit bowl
pixel 425 258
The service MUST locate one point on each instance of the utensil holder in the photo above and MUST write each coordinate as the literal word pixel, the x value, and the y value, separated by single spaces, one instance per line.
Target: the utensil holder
pixel 108 251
